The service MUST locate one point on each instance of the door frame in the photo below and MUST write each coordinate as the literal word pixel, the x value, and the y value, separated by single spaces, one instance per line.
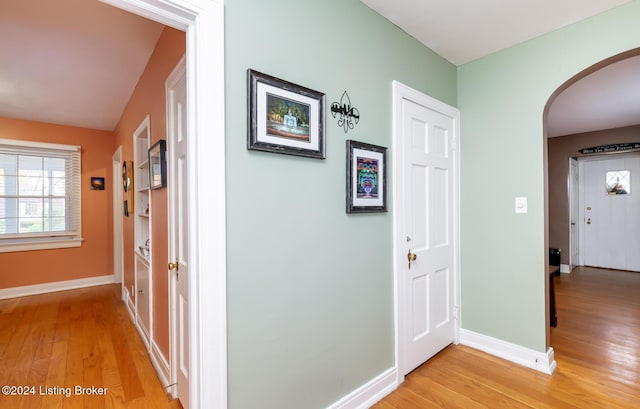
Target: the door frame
pixel 403 92
pixel 582 215
pixel 203 22
pixel 118 229
pixel 574 214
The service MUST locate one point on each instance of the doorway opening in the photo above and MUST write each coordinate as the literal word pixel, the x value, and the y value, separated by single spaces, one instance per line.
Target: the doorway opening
pixel 203 22
pixel 561 151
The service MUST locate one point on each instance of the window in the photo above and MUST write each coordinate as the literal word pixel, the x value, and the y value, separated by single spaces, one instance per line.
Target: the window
pixel 40 198
pixel 619 182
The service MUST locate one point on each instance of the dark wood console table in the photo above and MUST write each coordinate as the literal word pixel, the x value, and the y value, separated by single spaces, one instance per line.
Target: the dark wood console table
pixel 551 272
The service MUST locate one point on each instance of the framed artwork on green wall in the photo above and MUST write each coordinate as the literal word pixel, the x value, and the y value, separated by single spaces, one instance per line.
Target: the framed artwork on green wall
pixel 284 117
pixel 366 178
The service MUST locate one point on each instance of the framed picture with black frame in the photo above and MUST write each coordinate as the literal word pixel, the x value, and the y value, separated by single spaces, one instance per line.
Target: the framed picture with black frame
pixel 284 117
pixel 366 178
pixel 158 165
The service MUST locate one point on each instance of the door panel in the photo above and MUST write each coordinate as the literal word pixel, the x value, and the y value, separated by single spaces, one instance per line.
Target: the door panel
pixel 611 221
pixel 428 226
pixel 179 229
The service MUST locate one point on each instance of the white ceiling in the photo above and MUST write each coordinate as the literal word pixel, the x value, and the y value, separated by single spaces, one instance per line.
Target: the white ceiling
pixel 608 98
pixel 77 62
pixel 464 30
pixel 72 62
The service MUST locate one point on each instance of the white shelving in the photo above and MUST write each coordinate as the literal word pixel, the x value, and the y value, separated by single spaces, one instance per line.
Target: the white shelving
pixel 142 230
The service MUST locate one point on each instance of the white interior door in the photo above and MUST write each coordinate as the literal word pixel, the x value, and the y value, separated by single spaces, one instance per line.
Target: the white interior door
pixel 574 211
pixel 178 228
pixel 427 234
pixel 611 221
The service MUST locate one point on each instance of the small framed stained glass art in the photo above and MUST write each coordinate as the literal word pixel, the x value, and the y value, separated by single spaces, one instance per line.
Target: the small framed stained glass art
pixel 366 178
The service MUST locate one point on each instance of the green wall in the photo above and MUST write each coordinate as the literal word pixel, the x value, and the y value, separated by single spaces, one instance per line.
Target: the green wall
pixel 502 98
pixel 310 288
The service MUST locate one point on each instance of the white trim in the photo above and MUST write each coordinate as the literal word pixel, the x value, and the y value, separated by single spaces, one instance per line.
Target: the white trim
pixel 203 21
pixel 177 75
pixel 160 364
pixel 142 331
pixel 55 286
pixel 540 361
pixel 40 145
pixel 39 244
pixel 118 229
pixel 369 393
pixel 131 307
pixel 564 268
pixel 400 92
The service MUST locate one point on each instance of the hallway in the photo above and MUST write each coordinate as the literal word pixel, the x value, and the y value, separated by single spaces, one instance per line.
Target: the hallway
pixel 52 345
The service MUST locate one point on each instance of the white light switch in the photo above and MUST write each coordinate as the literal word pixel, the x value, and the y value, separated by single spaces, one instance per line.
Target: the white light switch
pixel 521 205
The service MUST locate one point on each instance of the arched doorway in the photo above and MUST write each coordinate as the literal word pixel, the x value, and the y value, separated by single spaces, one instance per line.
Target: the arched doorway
pixel 558 226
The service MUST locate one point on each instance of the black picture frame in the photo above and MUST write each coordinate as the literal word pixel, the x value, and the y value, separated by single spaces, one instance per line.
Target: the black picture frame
pixel 366 178
pixel 126 179
pixel 158 165
pixel 284 117
pixel 97 183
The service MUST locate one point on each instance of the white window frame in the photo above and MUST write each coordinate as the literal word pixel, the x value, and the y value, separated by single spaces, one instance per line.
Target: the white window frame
pixel 47 240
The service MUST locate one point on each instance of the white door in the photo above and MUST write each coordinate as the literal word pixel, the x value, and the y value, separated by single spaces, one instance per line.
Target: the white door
pixel 426 200
pixel 178 228
pixel 574 211
pixel 611 212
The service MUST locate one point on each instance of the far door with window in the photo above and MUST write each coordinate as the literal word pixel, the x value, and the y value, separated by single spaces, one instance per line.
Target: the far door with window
pixel 427 240
pixel 611 212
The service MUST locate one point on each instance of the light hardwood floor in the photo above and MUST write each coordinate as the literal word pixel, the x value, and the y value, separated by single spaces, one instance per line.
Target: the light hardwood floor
pixel 597 349
pixel 52 343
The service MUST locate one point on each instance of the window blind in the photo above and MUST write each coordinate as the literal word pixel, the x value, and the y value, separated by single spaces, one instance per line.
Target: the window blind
pixel 40 191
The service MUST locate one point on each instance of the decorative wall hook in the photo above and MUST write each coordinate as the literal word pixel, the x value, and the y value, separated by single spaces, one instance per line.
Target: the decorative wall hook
pixel 348 116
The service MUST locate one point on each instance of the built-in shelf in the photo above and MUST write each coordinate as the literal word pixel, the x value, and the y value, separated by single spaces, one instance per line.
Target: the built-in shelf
pixel 142 257
pixel 142 231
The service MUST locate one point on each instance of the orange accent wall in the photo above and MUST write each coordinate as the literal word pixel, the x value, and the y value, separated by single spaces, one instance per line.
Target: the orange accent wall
pixel 95 256
pixel 149 98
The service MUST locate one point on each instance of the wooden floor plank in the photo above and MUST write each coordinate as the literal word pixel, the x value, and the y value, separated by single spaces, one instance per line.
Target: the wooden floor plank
pixel 597 349
pixel 83 338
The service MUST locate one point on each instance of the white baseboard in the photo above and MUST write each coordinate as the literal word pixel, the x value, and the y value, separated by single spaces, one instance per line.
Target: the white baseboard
pixel 540 361
pixel 564 268
pixel 131 307
pixel 160 363
pixel 369 393
pixel 55 286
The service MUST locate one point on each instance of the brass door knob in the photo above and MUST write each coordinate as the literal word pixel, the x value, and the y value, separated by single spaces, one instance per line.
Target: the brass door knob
pixel 411 257
pixel 173 266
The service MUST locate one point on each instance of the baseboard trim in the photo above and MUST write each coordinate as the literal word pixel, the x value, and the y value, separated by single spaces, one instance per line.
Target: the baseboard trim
pixel 369 393
pixel 564 268
pixel 131 307
pixel 540 361
pixel 160 364
pixel 55 286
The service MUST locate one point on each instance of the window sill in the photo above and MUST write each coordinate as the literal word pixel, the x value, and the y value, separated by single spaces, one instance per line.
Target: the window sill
pixel 48 244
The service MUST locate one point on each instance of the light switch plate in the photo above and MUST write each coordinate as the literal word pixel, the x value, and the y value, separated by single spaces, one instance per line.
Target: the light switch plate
pixel 521 205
